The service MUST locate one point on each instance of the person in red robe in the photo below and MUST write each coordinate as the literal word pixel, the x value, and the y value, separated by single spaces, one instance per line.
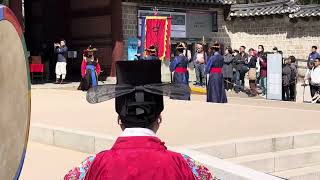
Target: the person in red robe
pixel 138 154
pixel 90 69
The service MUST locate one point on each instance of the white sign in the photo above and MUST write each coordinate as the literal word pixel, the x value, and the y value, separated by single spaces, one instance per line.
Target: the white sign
pixel 178 25
pixel 199 24
pixel 274 78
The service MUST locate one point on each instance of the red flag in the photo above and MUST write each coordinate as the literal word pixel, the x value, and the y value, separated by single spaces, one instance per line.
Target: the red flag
pixel 168 43
pixel 157 29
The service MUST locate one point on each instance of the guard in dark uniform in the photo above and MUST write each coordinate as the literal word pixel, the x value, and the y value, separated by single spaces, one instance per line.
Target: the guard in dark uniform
pixel 180 68
pixel 215 90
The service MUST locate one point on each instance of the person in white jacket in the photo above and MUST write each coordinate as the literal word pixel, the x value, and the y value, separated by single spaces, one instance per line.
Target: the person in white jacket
pixel 313 76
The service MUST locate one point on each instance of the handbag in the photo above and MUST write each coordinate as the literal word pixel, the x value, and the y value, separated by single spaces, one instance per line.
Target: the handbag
pixel 252 74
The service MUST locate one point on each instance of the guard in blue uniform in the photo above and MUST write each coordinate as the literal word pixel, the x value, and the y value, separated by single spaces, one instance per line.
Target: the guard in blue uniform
pixel 180 68
pixel 215 90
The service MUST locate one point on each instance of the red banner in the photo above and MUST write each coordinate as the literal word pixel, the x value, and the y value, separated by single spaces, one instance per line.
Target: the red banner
pixel 158 34
pixel 168 43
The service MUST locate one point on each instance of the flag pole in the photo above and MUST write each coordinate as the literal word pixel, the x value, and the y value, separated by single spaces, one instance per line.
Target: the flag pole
pixel 206 79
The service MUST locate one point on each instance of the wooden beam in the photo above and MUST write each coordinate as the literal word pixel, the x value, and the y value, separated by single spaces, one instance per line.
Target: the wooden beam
pixel 91 12
pixel 117 34
pixel 16 7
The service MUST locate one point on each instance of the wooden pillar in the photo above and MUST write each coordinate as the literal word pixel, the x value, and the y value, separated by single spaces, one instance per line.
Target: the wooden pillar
pixel 117 34
pixel 16 7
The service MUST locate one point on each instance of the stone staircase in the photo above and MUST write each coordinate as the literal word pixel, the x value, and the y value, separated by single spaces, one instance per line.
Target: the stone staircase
pixel 291 156
pixel 295 156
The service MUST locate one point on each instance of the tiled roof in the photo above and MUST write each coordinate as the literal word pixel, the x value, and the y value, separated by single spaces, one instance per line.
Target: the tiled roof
pixel 307 11
pixel 212 1
pixel 265 8
pixel 188 2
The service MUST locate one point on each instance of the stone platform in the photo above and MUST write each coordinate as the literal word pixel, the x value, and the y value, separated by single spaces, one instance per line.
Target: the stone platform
pixel 184 122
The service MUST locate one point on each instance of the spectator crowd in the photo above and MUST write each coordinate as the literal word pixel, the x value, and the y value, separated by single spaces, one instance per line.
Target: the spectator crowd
pixel 252 64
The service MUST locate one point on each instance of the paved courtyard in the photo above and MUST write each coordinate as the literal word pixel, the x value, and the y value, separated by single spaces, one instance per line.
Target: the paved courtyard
pixel 184 123
pixel 49 162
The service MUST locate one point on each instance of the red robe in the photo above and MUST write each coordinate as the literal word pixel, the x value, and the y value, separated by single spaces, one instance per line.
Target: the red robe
pixel 84 66
pixel 141 158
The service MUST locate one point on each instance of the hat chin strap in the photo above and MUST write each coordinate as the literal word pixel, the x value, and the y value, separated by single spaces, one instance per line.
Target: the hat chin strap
pixel 139 94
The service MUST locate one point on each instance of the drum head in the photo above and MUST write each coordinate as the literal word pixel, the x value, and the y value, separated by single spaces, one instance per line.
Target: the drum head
pixel 14 96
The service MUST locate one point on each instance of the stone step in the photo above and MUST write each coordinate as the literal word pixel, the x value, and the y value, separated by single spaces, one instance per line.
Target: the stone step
pixel 223 169
pixel 82 141
pixel 307 173
pixel 89 142
pixel 259 145
pixel 281 161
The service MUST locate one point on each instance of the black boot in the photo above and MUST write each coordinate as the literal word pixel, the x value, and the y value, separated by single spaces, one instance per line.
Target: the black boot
pixel 57 81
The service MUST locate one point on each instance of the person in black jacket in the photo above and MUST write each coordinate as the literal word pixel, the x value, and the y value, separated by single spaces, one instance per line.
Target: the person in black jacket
pixel 241 69
pixel 252 72
pixel 227 69
pixel 286 75
pixel 293 79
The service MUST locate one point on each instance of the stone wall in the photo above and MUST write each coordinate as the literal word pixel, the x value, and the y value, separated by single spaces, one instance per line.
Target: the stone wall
pixel 130 24
pixel 222 35
pixel 292 38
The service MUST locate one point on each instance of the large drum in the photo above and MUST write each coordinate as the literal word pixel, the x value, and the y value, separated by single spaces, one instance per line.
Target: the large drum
pixel 14 96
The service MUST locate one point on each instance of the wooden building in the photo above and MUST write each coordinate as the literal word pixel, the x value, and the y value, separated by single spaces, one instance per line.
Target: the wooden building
pixel 107 24
pixel 81 23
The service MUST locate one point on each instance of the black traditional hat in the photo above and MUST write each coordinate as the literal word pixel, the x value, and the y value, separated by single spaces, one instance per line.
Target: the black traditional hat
pixel 180 47
pixel 152 49
pixel 91 49
pixel 139 92
pixel 215 46
pixel 139 107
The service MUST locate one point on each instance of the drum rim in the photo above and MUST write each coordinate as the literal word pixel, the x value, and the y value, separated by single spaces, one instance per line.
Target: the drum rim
pixel 8 15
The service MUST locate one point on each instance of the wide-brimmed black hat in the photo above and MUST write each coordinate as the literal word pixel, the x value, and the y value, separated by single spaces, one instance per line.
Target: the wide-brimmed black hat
pixel 134 107
pixel 180 46
pixel 152 49
pixel 91 49
pixel 215 45
pixel 138 92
